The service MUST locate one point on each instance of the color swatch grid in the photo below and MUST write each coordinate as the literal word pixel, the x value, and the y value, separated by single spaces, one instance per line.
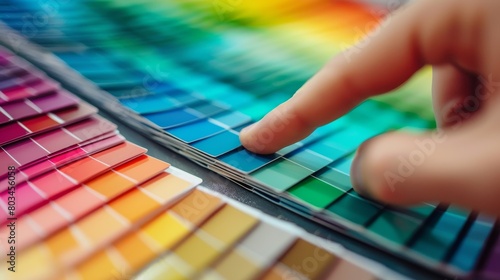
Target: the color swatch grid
pixel 181 72
pixel 86 204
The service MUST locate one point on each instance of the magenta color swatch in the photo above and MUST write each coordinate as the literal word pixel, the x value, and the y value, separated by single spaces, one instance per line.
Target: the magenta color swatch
pixel 11 131
pixel 25 151
pixel 56 140
pixel 19 110
pixel 30 198
pixel 4 118
pixel 58 100
pixel 91 128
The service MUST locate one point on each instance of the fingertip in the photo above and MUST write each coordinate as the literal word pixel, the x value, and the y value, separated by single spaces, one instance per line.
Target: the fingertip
pixel 370 162
pixel 249 138
pixel 246 136
pixel 278 129
pixel 374 172
pixel 245 133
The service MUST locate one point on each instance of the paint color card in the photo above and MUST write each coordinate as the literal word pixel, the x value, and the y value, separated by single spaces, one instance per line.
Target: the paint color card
pixel 53 161
pixel 39 147
pixel 38 105
pixel 57 182
pixel 68 136
pixel 95 199
pixel 13 131
pixel 27 89
pixel 96 193
pixel 21 129
pixel 82 111
pixel 69 156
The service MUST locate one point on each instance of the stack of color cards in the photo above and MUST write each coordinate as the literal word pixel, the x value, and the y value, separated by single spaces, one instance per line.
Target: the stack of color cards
pixel 192 74
pixel 79 202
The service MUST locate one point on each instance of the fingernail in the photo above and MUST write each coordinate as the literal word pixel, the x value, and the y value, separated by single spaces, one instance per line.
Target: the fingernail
pixel 357 178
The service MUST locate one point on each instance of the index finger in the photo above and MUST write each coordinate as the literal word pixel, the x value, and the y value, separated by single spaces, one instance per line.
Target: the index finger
pixel 384 62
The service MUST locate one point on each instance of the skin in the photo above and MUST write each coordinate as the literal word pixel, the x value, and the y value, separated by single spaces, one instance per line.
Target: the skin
pixel 461 40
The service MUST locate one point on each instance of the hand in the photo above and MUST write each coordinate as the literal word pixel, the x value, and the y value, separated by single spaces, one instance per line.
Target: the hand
pixel 461 40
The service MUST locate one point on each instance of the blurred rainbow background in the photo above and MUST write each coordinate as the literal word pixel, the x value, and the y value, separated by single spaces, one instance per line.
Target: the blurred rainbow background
pixel 299 36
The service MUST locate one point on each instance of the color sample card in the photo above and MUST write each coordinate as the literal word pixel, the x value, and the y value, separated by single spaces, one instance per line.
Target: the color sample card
pixel 69 156
pixel 31 107
pixel 20 81
pixel 19 129
pixel 192 78
pixel 58 181
pixel 40 147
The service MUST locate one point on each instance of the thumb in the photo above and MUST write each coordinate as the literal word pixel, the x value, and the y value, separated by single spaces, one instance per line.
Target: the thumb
pixel 453 167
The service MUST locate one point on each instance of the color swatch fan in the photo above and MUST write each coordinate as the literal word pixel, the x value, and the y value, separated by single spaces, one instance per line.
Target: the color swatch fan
pixel 192 74
pixel 79 202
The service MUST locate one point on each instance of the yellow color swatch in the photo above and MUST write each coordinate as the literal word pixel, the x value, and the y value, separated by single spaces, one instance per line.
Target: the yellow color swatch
pixel 134 251
pixel 99 267
pixel 166 186
pixel 196 207
pixel 197 252
pixel 99 226
pixel 110 184
pixel 165 230
pixel 234 265
pixel 229 225
pixel 62 243
pixel 134 205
